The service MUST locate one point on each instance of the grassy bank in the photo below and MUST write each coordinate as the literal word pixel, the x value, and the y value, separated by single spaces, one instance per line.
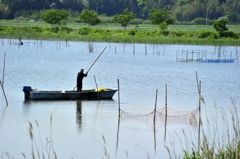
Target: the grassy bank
pixel 114 33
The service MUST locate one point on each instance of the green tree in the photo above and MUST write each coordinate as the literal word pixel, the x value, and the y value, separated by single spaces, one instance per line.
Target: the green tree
pixel 144 6
pixel 163 25
pixel 4 11
pixel 90 17
pixel 159 16
pixel 54 16
pixel 124 18
pixel 220 26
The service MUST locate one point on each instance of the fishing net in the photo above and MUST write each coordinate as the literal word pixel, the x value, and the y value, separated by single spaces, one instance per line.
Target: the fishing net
pixel 164 114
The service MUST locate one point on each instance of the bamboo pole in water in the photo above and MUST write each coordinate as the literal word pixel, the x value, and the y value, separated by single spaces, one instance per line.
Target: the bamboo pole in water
pixel 165 113
pixel 199 117
pixel 133 49
pixel 97 88
pixel 118 133
pixel 2 82
pixel 145 49
pixel 4 62
pixel 67 44
pixel 164 50
pixel 118 98
pixel 155 107
pixel 154 120
pixel 199 109
pixel 118 115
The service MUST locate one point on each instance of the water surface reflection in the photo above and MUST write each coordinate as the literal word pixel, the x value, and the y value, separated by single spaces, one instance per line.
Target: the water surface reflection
pixel 79 115
pixel 81 124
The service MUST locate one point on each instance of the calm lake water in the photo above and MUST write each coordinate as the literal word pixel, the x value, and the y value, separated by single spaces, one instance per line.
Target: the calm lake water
pixel 86 129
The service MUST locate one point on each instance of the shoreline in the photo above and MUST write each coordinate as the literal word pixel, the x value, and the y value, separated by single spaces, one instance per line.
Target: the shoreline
pixel 64 33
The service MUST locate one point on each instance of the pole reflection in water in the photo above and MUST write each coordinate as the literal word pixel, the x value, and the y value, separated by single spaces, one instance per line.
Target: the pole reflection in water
pixel 3 112
pixel 118 133
pixel 79 115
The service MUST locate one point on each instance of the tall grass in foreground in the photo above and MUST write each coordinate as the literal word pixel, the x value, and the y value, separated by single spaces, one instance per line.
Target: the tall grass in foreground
pixel 220 138
pixel 41 151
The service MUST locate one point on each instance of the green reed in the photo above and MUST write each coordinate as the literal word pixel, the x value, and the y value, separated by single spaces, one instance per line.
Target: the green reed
pixel 152 36
pixel 215 145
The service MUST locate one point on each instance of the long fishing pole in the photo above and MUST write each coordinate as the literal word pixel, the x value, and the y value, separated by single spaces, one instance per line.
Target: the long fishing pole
pixel 93 63
pixel 96 59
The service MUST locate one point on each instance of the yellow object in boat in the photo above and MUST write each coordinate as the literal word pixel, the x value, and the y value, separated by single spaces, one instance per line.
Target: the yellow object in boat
pixel 100 89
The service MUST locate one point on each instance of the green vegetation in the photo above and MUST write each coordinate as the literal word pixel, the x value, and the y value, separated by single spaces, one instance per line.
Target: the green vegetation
pixel 158 30
pixel 124 18
pixel 181 10
pixel 218 143
pixel 54 16
pixel 159 16
pixel 90 17
pixel 144 33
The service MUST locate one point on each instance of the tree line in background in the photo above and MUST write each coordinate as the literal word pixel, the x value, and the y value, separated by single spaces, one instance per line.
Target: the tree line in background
pixel 181 10
pixel 158 17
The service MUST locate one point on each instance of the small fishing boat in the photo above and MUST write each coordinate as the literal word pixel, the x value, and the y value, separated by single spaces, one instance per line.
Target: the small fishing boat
pixel 91 94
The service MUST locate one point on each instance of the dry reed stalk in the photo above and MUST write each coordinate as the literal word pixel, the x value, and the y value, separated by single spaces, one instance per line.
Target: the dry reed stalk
pixel 55 155
pixel 103 139
pixel 105 152
pixel 50 136
pixel 39 139
pixel 126 153
pixel 32 154
pixel 24 156
pixel 7 154
pixel 31 135
pixel 169 153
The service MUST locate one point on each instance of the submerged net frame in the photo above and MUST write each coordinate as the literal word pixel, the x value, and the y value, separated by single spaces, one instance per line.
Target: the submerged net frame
pixel 188 117
pixel 165 114
pixel 162 115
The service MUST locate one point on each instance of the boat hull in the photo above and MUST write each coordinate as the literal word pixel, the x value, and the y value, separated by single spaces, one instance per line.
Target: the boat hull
pixel 69 95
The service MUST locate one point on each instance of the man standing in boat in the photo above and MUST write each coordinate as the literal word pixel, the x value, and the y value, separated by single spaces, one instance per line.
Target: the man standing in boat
pixel 80 77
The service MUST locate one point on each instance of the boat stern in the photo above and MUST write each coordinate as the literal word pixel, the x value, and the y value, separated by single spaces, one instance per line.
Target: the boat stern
pixel 27 90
